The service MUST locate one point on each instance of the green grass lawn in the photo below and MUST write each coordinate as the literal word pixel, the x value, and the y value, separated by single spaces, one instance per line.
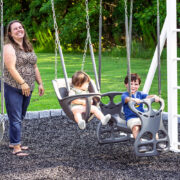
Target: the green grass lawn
pixel 114 69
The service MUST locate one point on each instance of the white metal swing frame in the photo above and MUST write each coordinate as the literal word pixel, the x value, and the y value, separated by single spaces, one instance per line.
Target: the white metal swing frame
pixel 169 33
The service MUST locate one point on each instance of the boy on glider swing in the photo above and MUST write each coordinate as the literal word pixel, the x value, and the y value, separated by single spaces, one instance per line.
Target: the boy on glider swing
pixel 132 120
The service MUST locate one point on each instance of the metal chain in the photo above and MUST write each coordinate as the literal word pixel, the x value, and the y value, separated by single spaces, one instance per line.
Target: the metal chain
pixel 100 8
pixel 158 50
pixel 130 25
pixel 2 116
pixel 130 21
pixel 56 36
pixel 100 41
pixel 1 6
pixel 128 41
pixel 2 61
pixel 2 127
pixel 88 38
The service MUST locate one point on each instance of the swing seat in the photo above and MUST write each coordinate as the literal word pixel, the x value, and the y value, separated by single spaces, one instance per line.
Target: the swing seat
pixel 117 131
pixel 65 100
pixel 152 133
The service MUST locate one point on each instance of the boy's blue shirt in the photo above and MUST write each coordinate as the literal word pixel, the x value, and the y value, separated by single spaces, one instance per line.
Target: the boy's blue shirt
pixel 127 111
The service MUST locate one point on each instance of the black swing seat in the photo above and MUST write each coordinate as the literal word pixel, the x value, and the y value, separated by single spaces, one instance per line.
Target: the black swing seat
pixel 65 100
pixel 117 131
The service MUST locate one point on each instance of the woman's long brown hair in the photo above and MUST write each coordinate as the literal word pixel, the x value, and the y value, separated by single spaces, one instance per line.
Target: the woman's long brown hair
pixel 9 39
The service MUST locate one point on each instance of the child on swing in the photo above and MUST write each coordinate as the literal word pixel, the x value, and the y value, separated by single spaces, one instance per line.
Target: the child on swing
pixel 80 83
pixel 132 120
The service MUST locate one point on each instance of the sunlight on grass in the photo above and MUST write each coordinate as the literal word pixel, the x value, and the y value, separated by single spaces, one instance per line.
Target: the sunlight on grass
pixel 114 71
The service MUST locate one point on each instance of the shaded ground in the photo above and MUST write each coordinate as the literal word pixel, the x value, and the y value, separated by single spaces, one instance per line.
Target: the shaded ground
pixel 59 150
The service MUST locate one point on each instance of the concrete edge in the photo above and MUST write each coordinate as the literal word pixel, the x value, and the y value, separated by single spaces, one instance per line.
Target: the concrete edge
pixel 59 112
pixel 42 114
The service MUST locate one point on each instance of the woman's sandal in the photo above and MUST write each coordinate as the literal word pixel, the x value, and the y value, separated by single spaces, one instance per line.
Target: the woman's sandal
pixel 22 147
pixel 20 153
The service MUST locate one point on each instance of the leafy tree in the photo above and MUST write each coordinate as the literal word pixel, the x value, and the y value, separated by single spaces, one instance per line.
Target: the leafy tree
pixel 37 17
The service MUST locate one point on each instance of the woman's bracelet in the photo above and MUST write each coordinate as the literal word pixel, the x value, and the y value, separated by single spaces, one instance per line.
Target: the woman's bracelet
pixel 23 83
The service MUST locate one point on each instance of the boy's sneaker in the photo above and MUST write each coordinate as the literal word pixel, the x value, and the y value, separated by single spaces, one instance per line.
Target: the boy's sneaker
pixel 106 119
pixel 82 124
pixel 161 146
pixel 143 149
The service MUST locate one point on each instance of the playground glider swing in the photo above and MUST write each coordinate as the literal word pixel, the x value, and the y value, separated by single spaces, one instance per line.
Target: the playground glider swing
pixel 116 130
pixel 151 120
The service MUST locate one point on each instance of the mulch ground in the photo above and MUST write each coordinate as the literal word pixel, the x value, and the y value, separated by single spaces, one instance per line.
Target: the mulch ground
pixel 59 150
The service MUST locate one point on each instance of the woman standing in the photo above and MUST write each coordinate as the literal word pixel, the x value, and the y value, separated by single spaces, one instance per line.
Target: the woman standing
pixel 20 73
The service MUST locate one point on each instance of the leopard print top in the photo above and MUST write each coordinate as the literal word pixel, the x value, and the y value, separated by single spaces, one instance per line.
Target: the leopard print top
pixel 25 62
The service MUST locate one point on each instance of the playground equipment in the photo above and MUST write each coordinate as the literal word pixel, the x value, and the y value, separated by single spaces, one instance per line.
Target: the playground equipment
pixel 169 33
pixel 116 130
pixel 62 86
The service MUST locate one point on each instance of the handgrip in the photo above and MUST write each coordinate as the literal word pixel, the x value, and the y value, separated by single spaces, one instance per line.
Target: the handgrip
pixel 148 102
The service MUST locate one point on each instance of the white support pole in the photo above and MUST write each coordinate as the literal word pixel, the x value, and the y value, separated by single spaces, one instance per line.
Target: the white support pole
pixel 154 63
pixel 172 73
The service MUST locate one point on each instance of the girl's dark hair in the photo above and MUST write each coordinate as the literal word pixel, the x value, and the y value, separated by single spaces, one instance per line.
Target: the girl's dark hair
pixel 79 78
pixel 134 77
pixel 9 39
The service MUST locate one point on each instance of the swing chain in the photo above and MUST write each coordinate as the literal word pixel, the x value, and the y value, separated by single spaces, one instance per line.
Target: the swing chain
pixel 2 61
pixel 100 8
pixel 100 41
pixel 56 37
pixel 2 119
pixel 130 25
pixel 158 50
pixel 2 115
pixel 88 38
pixel 128 28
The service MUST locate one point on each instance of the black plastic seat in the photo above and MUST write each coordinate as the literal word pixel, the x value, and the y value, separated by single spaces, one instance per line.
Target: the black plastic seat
pixel 116 130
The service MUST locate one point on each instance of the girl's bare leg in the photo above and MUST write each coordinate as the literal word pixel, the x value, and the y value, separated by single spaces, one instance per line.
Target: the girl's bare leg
pixel 97 112
pixel 100 115
pixel 77 117
pixel 77 111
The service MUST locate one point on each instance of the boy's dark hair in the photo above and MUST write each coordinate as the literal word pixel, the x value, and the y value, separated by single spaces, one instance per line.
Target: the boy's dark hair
pixel 134 77
pixel 79 78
